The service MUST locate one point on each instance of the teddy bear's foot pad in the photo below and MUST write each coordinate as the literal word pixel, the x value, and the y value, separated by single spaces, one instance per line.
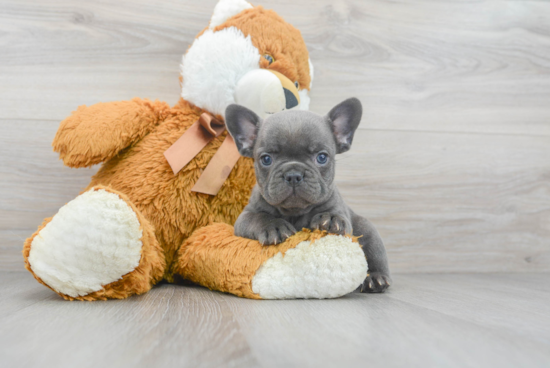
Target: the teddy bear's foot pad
pixel 331 267
pixel 92 241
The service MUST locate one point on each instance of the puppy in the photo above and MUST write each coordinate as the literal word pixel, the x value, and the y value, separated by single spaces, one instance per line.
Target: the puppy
pixel 294 159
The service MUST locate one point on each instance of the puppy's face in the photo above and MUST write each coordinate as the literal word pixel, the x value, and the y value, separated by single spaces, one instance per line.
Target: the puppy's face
pixel 294 151
pixel 294 160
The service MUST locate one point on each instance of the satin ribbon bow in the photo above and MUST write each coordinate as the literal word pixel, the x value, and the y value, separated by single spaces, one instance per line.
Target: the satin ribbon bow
pixel 192 142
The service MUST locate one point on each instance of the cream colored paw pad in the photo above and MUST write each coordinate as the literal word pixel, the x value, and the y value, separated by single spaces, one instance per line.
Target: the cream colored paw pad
pixel 92 241
pixel 331 267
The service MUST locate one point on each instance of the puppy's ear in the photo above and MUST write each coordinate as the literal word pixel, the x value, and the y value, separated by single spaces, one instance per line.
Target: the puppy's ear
pixel 344 119
pixel 243 125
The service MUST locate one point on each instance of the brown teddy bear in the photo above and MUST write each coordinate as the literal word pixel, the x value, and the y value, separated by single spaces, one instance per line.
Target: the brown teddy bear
pixel 168 171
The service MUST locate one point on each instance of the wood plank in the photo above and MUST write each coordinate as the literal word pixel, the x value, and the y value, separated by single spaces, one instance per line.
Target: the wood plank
pixel 442 202
pixel 474 298
pixel 423 321
pixel 380 330
pixel 453 202
pixel 33 181
pixel 11 246
pixel 449 66
pixel 479 67
pixel 21 290
pixel 171 325
pixel 450 162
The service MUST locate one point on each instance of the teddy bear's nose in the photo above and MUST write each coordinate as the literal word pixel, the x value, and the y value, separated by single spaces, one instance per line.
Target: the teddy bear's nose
pixel 291 100
pixel 294 178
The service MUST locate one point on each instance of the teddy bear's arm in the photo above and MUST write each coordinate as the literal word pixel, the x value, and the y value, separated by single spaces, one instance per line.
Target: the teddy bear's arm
pixel 94 134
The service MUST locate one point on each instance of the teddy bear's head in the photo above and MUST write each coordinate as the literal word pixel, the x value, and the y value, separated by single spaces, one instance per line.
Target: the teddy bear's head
pixel 250 56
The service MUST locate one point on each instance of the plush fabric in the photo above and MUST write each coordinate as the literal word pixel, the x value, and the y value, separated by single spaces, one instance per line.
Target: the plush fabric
pixel 271 35
pixel 307 265
pixel 214 91
pixel 60 259
pixel 132 226
pixel 142 173
pixel 268 34
pixel 326 267
pixel 96 134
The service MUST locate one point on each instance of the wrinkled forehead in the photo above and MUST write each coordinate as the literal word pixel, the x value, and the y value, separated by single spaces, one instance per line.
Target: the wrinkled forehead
pixel 295 131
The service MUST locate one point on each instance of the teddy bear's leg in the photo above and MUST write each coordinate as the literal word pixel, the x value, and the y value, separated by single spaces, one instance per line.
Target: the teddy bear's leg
pixel 98 246
pixel 306 265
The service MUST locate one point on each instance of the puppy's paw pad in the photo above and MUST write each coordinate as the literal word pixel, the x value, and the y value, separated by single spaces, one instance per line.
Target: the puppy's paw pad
pixel 376 282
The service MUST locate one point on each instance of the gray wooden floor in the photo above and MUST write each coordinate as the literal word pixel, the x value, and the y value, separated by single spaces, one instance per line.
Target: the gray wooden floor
pixel 496 320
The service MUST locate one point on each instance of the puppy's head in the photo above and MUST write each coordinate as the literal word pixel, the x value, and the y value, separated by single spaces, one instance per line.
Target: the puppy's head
pixel 294 151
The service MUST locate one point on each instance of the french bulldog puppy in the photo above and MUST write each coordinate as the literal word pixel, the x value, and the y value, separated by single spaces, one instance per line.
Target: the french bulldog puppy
pixel 294 159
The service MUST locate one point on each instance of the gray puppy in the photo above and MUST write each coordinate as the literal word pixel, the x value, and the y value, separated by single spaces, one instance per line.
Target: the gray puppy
pixel 294 159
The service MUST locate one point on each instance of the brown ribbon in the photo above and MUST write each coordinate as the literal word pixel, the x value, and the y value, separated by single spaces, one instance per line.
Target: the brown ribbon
pixel 192 142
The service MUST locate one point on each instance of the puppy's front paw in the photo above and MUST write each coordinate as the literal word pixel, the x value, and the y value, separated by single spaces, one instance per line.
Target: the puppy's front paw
pixel 335 224
pixel 277 231
pixel 376 282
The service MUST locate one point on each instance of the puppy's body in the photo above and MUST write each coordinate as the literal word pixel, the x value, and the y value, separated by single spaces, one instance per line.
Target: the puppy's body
pixel 294 158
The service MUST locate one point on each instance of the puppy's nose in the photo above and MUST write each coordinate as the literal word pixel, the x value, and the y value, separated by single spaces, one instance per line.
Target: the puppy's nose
pixel 294 178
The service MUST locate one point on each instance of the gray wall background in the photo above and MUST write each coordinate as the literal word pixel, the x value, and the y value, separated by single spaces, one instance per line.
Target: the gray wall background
pixel 452 159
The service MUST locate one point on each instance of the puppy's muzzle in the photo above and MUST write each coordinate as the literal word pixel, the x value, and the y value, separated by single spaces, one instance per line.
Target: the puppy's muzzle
pixel 294 178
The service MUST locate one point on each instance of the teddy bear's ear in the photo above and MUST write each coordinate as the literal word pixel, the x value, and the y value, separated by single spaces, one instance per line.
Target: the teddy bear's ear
pixel 225 9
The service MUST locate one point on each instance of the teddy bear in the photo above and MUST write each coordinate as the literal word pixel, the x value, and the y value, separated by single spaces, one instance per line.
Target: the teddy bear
pixel 172 183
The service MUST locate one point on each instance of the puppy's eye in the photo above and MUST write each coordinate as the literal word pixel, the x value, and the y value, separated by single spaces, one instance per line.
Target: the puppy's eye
pixel 269 58
pixel 322 158
pixel 266 160
pixel 297 84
